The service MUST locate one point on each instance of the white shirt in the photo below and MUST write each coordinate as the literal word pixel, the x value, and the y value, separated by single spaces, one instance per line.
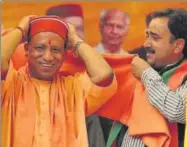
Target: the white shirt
pixel 100 48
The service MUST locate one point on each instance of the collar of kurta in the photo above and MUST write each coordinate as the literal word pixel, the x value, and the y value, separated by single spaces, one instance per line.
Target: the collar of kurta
pixel 170 66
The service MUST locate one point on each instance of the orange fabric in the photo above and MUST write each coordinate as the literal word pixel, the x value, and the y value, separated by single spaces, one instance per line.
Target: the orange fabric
pixel 42 131
pixel 130 104
pixel 71 99
pixel 18 58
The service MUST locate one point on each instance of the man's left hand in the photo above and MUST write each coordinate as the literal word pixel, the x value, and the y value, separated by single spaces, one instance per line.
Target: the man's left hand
pixel 73 38
pixel 139 66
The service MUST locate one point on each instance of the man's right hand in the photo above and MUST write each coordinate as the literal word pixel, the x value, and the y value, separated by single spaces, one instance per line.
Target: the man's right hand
pixel 139 66
pixel 24 23
pixel 73 38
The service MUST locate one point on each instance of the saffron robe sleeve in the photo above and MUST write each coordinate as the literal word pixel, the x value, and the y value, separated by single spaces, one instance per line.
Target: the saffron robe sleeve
pixel 7 105
pixel 95 96
pixel 18 58
pixel 10 78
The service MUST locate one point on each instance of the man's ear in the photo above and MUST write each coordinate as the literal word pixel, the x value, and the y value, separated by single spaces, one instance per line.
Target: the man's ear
pixel 26 48
pixel 179 45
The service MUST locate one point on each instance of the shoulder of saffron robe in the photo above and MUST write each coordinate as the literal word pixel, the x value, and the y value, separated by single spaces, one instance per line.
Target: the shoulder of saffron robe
pixel 18 58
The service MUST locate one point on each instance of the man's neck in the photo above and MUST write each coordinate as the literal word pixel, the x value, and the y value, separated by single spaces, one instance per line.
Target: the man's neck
pixel 113 49
pixel 171 65
pixel 39 78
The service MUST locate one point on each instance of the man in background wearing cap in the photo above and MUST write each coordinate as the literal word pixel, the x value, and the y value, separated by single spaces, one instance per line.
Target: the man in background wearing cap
pixel 41 108
pixel 73 14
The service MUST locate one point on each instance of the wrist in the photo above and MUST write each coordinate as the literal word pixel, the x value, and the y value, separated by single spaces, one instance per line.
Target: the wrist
pixel 149 75
pixel 78 43
pixel 22 33
pixel 75 40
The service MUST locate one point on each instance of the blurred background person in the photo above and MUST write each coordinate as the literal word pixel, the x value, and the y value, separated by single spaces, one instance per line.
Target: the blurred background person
pixel 72 13
pixel 114 26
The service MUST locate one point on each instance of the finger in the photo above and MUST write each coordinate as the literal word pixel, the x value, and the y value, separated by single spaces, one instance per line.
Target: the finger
pixel 30 17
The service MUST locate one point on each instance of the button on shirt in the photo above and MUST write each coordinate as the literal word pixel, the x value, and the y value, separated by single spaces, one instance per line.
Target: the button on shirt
pixel 42 134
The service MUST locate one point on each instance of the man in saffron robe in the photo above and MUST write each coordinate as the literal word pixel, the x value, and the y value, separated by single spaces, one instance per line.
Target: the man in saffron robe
pixel 73 13
pixel 41 108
